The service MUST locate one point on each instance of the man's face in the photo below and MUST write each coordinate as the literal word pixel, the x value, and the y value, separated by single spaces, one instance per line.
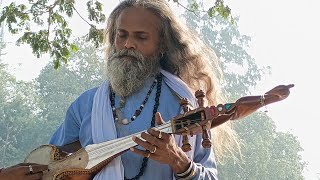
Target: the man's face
pixel 135 56
pixel 137 29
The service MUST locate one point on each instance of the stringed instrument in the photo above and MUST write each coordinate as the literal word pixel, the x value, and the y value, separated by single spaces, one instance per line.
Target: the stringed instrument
pixel 89 160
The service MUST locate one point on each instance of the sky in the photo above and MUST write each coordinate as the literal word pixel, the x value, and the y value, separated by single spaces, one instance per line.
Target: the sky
pixel 285 36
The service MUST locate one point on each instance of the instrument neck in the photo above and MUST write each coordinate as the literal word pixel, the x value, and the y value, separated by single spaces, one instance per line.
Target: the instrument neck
pixel 102 151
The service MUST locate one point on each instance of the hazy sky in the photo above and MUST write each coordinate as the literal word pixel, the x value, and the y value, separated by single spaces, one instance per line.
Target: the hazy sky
pixel 285 36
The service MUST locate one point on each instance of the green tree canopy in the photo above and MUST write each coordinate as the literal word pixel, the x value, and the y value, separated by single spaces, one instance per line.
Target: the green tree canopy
pixel 17 118
pixel 56 89
pixel 52 19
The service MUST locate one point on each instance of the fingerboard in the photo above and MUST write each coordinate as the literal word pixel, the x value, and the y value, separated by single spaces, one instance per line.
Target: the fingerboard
pixel 102 151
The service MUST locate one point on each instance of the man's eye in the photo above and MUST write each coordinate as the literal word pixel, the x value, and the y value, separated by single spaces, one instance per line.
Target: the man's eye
pixel 142 37
pixel 122 35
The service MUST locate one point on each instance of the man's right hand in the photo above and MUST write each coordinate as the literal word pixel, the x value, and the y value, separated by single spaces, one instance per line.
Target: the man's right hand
pixel 22 172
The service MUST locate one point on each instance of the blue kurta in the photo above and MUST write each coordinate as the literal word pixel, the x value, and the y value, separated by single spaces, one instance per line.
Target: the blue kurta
pixel 77 126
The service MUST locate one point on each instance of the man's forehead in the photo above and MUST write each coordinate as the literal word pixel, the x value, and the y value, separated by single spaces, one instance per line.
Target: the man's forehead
pixel 137 19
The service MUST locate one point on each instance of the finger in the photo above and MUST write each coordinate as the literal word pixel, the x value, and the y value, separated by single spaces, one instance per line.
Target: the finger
pixel 39 168
pixel 26 164
pixel 142 153
pixel 24 167
pixel 152 139
pixel 290 85
pixel 144 144
pixel 154 132
pixel 35 176
pixel 36 168
pixel 22 170
pixel 159 119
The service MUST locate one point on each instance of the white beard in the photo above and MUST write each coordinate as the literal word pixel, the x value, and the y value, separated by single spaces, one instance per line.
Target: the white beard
pixel 128 70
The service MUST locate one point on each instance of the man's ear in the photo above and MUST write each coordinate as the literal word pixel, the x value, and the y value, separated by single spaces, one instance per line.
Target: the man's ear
pixel 162 47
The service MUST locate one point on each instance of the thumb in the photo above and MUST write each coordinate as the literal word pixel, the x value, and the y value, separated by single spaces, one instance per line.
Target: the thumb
pixel 159 119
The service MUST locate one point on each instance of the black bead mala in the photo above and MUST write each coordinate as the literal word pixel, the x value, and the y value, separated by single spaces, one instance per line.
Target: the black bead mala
pixel 152 124
pixel 137 112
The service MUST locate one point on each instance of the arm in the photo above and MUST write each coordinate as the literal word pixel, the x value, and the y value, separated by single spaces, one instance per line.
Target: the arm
pixel 76 127
pixel 204 159
pixel 68 131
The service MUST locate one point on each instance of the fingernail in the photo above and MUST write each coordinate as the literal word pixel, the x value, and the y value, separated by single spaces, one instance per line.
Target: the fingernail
pixel 134 138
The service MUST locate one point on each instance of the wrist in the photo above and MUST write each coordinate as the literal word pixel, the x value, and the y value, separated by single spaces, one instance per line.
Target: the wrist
pixel 188 174
pixel 180 164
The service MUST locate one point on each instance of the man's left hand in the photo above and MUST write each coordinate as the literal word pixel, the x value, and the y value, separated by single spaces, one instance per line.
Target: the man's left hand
pixel 162 147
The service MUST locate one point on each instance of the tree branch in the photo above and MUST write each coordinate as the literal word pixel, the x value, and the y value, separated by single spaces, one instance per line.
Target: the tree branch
pixel 193 11
pixel 82 17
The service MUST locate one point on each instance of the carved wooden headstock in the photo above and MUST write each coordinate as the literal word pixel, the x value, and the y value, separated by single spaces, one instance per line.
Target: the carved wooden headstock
pixel 202 119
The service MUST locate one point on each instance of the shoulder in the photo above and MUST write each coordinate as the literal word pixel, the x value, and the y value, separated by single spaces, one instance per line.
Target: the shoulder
pixel 88 94
pixel 85 99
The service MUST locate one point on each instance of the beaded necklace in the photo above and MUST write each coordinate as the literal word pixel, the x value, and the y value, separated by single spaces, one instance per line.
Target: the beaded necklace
pixel 117 111
pixel 152 124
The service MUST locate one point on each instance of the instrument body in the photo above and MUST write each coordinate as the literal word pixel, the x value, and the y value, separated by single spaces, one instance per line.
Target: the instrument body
pixel 62 166
pixel 59 165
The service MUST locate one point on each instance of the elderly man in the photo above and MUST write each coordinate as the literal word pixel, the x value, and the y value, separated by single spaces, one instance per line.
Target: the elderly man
pixel 152 60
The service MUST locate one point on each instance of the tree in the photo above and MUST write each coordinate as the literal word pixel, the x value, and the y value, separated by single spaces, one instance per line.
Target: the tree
pixel 57 89
pixel 17 118
pixel 30 112
pixel 239 68
pixel 54 36
pixel 266 153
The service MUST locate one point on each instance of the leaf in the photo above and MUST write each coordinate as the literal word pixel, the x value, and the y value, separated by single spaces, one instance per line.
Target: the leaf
pixel 194 5
pixel 74 48
pixel 211 12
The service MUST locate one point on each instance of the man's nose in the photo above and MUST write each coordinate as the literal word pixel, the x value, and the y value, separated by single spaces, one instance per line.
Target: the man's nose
pixel 130 44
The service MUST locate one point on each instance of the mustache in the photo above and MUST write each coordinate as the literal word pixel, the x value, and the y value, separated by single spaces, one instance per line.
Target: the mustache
pixel 127 53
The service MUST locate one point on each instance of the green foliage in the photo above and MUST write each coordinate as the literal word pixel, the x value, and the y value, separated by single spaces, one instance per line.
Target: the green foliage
pixel 266 153
pixel 83 72
pixel 17 118
pixel 30 112
pixel 54 36
pixel 95 12
pixel 221 9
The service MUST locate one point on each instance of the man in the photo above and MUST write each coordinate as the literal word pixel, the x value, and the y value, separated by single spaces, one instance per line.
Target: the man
pixel 152 61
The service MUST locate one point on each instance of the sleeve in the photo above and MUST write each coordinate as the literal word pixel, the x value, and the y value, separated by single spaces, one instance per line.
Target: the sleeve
pixel 68 131
pixel 204 159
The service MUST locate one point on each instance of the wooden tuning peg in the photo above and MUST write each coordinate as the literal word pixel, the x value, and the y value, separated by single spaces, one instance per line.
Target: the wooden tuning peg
pixel 184 103
pixel 200 96
pixel 186 146
pixel 206 143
